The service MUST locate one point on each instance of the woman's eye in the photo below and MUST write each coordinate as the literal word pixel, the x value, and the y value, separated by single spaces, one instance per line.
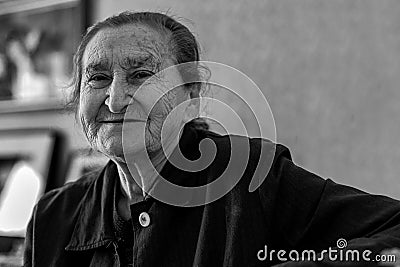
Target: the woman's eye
pixel 142 74
pixel 99 81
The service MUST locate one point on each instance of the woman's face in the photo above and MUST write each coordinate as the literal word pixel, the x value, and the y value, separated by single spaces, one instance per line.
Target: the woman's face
pixel 114 65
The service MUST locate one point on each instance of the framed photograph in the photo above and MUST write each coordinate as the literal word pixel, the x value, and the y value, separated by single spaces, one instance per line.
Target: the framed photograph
pixel 27 159
pixel 37 43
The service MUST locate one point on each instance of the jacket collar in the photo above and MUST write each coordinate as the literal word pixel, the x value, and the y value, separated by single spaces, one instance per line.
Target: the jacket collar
pixel 94 226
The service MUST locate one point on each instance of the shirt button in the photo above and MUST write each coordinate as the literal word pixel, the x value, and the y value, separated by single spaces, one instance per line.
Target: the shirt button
pixel 144 219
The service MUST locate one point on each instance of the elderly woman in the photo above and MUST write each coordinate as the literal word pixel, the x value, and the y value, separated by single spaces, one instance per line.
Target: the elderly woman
pixel 106 218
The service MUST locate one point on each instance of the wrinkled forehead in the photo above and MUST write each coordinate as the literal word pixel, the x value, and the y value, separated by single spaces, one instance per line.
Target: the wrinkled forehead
pixel 127 45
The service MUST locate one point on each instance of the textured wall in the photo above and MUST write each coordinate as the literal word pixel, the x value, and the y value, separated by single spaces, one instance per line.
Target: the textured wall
pixel 329 68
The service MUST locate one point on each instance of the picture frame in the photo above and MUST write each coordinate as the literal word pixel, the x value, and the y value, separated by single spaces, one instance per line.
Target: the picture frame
pixel 29 159
pixel 37 43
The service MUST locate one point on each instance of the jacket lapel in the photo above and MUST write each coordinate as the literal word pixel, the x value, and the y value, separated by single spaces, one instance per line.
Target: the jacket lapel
pixel 94 227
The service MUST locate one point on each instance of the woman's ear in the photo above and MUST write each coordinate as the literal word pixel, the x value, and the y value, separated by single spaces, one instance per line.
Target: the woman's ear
pixel 192 110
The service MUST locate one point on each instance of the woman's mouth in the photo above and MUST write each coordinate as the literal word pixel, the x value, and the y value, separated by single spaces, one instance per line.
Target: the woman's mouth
pixel 122 120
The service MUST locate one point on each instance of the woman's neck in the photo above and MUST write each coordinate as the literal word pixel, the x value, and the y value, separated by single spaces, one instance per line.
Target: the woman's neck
pixel 136 180
pixel 140 176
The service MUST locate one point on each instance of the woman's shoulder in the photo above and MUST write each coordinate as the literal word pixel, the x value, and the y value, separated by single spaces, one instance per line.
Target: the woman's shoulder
pixel 255 145
pixel 251 158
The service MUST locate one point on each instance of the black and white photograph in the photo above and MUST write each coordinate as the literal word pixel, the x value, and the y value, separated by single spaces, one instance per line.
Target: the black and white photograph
pixel 194 133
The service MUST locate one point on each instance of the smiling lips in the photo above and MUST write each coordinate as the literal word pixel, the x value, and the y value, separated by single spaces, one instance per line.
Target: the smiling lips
pixel 121 120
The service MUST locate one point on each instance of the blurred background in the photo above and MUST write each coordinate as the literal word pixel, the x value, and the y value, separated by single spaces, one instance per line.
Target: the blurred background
pixel 330 71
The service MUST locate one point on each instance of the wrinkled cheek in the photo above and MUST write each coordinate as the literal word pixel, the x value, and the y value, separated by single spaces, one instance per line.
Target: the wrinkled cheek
pixel 153 134
pixel 87 120
pixel 88 129
pixel 156 112
pixel 156 124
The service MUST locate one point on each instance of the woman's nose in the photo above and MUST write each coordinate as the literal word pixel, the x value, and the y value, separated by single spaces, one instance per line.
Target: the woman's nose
pixel 119 96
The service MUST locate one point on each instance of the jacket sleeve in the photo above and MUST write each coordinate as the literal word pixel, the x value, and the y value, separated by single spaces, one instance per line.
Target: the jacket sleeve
pixel 305 211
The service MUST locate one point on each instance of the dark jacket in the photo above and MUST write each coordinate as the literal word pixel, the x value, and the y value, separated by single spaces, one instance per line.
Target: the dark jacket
pixel 292 209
